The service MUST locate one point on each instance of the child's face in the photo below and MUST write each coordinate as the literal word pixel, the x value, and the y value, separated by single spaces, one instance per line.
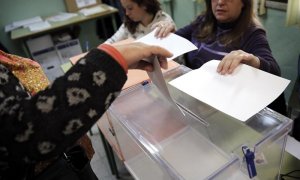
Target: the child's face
pixel 135 12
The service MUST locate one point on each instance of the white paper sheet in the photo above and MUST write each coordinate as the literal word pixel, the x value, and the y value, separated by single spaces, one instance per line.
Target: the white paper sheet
pixel 92 10
pixel 174 43
pixel 39 26
pixel 241 95
pixel 62 16
pixel 157 78
pixel 10 27
pixel 26 22
pixel 84 3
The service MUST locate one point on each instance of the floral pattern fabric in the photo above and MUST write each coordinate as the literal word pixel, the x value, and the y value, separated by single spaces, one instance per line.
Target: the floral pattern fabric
pixel 39 127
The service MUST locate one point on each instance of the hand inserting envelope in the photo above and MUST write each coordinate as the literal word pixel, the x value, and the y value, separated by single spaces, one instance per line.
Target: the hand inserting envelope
pixel 176 45
pixel 230 94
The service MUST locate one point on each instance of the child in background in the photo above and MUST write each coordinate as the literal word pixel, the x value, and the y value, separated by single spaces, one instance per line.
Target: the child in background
pixel 139 17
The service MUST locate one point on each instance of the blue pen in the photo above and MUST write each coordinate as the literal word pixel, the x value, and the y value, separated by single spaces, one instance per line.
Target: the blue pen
pixel 249 156
pixel 145 82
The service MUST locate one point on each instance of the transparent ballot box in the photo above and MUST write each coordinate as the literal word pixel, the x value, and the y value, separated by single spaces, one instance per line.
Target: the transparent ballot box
pixel 158 142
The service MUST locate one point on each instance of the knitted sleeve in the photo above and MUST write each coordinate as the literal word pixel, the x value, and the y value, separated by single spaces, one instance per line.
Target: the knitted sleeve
pixel 44 125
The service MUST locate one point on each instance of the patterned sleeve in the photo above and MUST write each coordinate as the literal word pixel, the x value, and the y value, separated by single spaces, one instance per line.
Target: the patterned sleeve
pixel 121 34
pixel 43 126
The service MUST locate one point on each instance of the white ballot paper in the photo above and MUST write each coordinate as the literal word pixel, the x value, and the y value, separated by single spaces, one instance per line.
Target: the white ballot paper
pixel 177 46
pixel 241 94
pixel 157 78
pixel 173 43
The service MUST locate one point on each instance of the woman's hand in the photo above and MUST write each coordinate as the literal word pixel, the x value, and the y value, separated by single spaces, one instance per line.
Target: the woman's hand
pixel 163 28
pixel 234 58
pixel 135 52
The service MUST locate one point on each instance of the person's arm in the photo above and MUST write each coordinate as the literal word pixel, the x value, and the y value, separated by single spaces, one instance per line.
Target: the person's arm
pixel 43 126
pixel 46 124
pixel 186 31
pixel 121 34
pixel 257 44
pixel 166 18
pixel 255 51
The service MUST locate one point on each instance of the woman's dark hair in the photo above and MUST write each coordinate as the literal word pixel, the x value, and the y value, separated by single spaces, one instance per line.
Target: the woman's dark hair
pixel 152 7
pixel 247 18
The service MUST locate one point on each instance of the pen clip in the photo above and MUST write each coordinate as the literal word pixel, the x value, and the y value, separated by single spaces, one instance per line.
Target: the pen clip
pixel 145 82
pixel 249 156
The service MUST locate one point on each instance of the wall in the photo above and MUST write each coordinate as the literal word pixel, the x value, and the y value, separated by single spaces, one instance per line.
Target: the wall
pixel 184 11
pixel 14 10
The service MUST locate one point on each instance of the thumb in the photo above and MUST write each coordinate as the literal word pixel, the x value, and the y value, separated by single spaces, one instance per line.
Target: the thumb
pixel 159 51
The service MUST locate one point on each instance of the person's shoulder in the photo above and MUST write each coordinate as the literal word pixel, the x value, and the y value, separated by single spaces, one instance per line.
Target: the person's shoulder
pixel 162 14
pixel 122 26
pixel 255 25
pixel 124 29
pixel 199 19
pixel 256 28
pixel 254 32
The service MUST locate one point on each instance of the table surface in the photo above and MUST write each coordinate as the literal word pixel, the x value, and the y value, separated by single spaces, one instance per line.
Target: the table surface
pixel 26 33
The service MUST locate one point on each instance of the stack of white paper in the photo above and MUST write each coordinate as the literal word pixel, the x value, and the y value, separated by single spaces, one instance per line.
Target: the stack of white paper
pixel 39 26
pixel 22 23
pixel 92 10
pixel 27 22
pixel 62 16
